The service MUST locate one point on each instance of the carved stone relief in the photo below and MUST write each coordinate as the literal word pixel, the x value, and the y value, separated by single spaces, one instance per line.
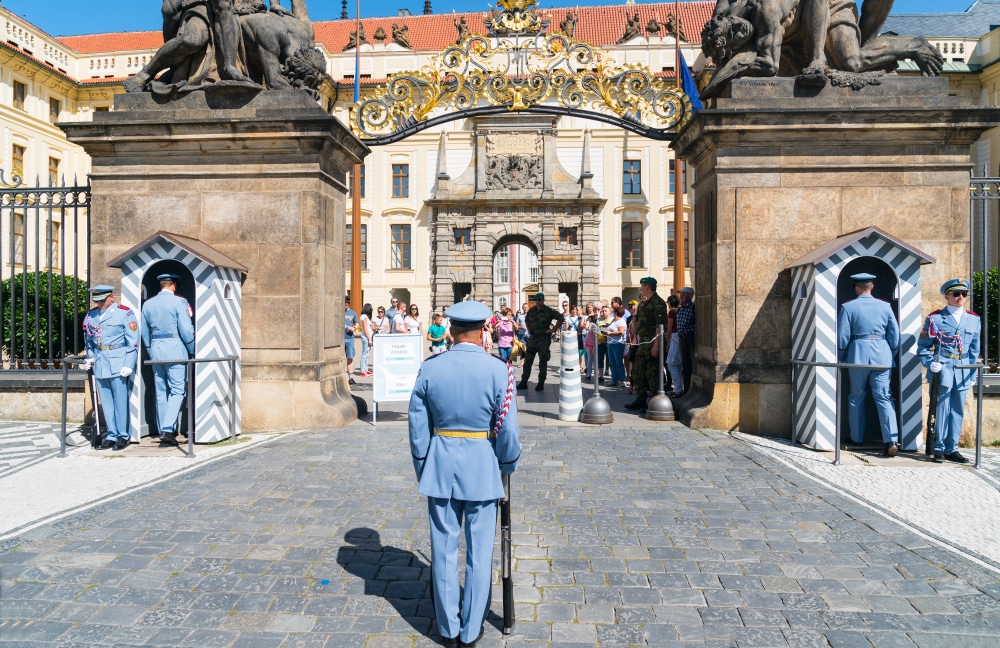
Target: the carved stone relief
pixel 514 161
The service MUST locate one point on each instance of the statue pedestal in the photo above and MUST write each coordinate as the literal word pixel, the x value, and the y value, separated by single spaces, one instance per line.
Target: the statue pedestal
pixel 260 176
pixel 780 170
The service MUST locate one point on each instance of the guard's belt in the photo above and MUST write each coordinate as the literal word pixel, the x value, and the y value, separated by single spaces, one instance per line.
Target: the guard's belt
pixel 955 356
pixel 465 434
pixel 112 347
pixel 867 337
pixel 164 336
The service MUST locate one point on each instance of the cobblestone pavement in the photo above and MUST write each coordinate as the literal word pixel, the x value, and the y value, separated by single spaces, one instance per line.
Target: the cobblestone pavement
pixel 624 535
pixel 957 505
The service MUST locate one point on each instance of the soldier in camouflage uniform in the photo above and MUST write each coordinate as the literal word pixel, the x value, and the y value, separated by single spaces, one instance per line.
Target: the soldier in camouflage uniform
pixel 652 312
pixel 539 323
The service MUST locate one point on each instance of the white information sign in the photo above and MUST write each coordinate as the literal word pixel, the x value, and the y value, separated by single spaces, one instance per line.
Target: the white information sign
pixel 397 361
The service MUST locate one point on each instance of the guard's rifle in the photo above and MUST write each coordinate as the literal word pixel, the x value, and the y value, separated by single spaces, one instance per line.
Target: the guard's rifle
pixel 931 441
pixel 97 409
pixel 506 559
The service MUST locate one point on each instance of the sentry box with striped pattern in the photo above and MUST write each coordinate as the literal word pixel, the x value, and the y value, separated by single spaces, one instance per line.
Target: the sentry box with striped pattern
pixel 820 284
pixel 212 283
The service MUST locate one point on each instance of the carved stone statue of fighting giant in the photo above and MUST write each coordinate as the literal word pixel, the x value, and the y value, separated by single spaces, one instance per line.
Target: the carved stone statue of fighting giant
pixel 213 42
pixel 808 39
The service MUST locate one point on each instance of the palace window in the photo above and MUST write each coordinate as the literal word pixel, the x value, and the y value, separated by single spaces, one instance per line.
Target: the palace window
pixel 17 159
pixel 501 266
pixel 53 172
pixel 632 245
pixel 52 243
pixel 55 107
pixel 684 176
pixel 631 177
pixel 20 91
pixel 401 247
pixel 400 180
pixel 670 245
pixel 18 237
pixel 567 235
pixel 364 246
pixel 463 236
pixel 350 186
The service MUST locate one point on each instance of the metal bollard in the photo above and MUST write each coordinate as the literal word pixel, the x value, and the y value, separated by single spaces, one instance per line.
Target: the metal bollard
pixel 660 407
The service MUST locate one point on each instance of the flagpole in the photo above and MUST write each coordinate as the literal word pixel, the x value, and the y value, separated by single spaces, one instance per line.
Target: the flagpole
pixel 356 299
pixel 679 260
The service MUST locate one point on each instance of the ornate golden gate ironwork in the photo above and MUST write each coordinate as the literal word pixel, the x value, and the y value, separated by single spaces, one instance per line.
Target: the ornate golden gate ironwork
pixel 518 67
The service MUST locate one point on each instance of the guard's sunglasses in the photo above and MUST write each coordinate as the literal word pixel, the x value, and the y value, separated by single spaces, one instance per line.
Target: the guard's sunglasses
pixel 960 293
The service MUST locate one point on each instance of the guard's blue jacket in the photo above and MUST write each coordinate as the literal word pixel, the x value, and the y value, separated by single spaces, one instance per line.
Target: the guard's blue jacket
pixel 112 340
pixel 462 389
pixel 167 318
pixel 867 332
pixel 957 343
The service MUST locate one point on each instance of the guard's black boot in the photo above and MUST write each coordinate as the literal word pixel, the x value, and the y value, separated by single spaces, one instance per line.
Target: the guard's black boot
pixel 472 643
pixel 638 404
pixel 523 384
pixel 540 386
pixel 450 643
pixel 169 438
pixel 956 457
pixel 890 450
pixel 121 444
pixel 938 456
pixel 106 444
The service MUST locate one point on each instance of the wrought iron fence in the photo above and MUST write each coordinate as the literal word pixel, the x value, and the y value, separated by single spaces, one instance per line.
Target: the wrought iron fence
pixel 984 223
pixel 44 269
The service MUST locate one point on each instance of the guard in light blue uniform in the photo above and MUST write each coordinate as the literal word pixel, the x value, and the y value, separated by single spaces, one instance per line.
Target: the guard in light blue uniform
pixel 868 334
pixel 111 333
pixel 951 337
pixel 168 334
pixel 459 453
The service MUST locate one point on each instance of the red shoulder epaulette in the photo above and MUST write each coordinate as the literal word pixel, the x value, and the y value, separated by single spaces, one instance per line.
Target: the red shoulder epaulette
pixel 973 313
pixel 123 307
pixel 933 312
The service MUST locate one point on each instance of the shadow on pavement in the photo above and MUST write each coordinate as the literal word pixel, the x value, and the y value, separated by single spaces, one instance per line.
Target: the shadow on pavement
pixel 397 575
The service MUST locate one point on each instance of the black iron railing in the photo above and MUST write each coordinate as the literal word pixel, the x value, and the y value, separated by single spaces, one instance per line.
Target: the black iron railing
pixel 44 271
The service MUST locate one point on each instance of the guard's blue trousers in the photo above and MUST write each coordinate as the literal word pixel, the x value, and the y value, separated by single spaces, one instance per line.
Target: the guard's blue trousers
pixel 480 533
pixel 169 381
pixel 860 380
pixel 114 403
pixel 950 412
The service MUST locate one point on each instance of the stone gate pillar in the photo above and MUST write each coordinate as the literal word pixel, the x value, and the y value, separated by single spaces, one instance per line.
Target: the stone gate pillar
pixel 780 170
pixel 260 176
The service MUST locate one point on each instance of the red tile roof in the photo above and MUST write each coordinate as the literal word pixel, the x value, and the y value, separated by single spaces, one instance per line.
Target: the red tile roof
pixel 600 26
pixel 114 42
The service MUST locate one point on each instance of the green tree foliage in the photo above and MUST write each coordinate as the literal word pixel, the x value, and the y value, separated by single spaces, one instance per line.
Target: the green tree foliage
pixel 988 306
pixel 19 295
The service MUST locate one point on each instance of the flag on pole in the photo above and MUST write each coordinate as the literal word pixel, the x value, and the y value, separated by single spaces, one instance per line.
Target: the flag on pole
pixel 688 84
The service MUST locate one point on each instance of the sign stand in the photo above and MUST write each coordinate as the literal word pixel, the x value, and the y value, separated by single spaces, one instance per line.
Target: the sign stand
pixel 397 360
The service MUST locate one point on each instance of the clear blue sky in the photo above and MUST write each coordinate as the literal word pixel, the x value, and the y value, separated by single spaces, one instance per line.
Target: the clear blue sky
pixel 65 17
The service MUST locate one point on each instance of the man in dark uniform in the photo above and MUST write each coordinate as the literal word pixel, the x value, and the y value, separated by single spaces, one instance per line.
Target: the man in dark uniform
pixel 541 321
pixel 652 312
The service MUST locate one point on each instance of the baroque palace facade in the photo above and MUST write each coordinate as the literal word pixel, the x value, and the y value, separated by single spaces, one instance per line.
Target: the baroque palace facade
pixel 586 210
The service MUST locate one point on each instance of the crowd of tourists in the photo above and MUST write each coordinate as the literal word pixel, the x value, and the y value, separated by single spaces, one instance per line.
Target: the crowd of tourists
pixel 606 331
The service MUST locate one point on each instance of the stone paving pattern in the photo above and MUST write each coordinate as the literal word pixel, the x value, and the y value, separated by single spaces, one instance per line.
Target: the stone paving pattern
pixel 625 536
pixel 956 504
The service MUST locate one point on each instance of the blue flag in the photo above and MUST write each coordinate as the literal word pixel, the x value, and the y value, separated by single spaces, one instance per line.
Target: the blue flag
pixel 688 85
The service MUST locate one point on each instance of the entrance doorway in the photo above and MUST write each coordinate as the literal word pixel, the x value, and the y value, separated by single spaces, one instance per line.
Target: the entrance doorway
pixel 885 289
pixel 147 389
pixel 515 267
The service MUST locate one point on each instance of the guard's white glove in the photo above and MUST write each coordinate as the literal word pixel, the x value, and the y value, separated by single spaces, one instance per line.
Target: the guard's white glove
pixel 87 364
pixel 935 367
pixel 125 372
